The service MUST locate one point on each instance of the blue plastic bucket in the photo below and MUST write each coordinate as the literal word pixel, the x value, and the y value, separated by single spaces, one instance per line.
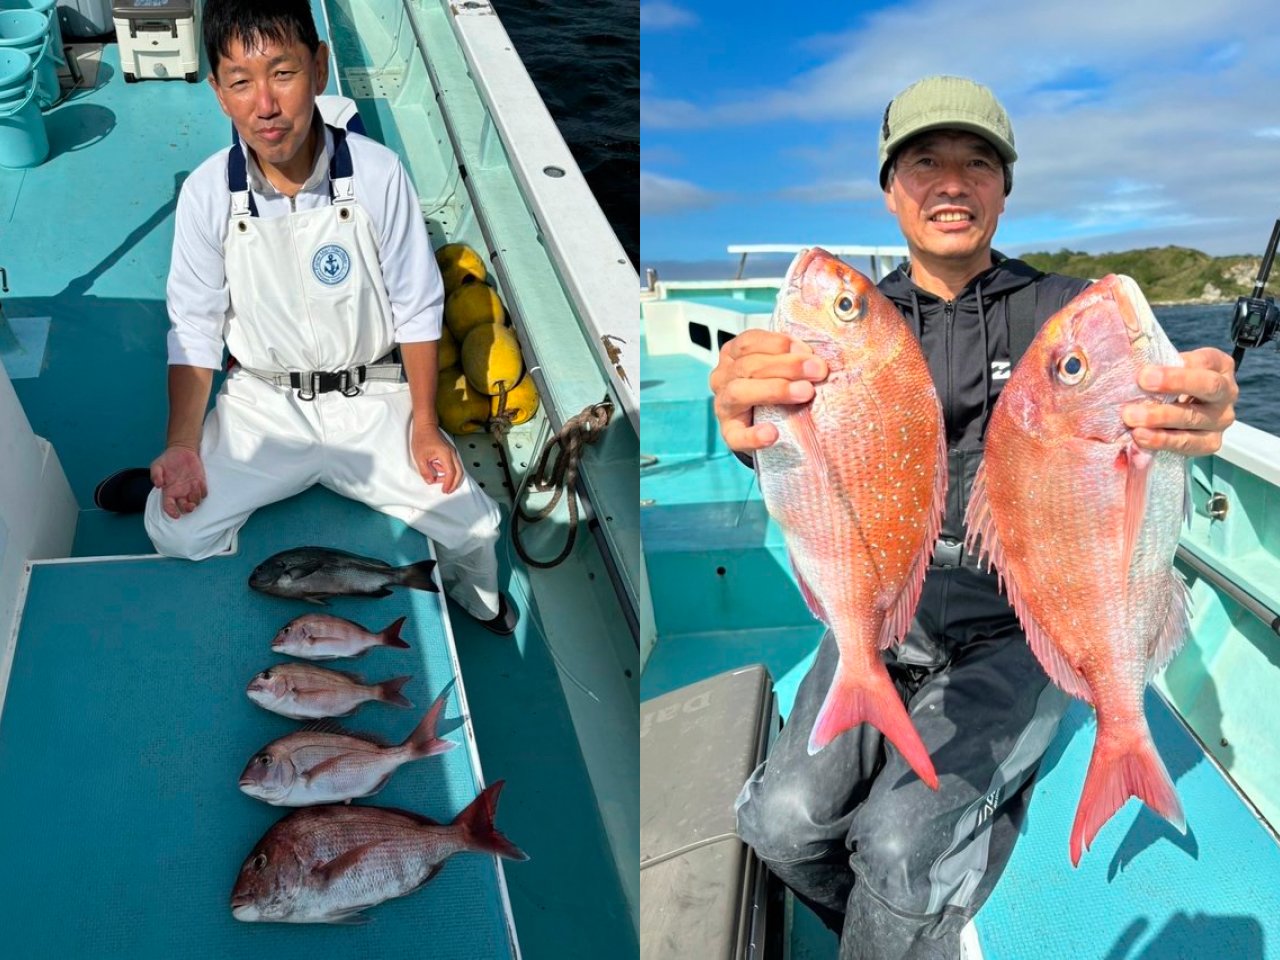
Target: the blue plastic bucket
pixel 28 31
pixel 50 10
pixel 23 141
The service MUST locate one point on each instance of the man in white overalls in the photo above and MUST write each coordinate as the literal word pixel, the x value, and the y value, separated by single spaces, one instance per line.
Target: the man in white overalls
pixel 303 248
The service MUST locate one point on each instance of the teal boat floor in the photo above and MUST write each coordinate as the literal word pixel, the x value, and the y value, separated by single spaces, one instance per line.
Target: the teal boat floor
pixel 86 240
pixel 1142 890
pixel 125 729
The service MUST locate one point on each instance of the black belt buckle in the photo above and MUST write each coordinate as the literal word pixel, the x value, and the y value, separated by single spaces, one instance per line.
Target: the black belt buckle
pixel 326 382
pixel 947 552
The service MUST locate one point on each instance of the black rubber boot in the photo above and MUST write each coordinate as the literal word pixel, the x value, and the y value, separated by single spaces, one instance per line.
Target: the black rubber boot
pixel 503 623
pixel 125 491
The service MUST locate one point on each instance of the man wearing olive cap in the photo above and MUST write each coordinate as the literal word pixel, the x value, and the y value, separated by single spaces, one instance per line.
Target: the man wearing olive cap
pixel 897 868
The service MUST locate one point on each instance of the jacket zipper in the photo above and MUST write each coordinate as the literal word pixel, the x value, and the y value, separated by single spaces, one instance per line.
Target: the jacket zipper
pixel 948 314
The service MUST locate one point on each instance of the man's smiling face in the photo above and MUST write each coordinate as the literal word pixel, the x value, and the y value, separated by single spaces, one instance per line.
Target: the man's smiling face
pixel 946 188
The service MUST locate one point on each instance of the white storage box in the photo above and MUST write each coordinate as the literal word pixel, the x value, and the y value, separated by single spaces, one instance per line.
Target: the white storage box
pixel 159 39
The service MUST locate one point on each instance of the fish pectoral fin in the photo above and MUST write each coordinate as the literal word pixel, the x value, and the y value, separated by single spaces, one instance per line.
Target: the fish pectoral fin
pixel 806 435
pixel 323 768
pixel 319 599
pixel 384 592
pixel 1137 464
pixel 329 871
pixel 305 568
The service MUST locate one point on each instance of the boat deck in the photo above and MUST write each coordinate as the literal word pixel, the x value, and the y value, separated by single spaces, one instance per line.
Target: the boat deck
pixel 724 596
pixel 85 239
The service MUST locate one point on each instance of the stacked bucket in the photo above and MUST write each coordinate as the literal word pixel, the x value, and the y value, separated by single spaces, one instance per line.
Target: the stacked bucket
pixel 30 50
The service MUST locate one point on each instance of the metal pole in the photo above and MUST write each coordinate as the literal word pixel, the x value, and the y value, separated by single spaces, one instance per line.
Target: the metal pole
pixel 1237 593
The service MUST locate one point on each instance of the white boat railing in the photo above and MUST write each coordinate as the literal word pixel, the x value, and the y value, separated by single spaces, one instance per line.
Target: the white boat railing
pixel 594 268
pixel 883 258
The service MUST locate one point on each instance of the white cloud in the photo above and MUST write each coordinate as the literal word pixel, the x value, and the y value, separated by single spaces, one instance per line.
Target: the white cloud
pixel 659 195
pixel 1141 39
pixel 1138 123
pixel 661 15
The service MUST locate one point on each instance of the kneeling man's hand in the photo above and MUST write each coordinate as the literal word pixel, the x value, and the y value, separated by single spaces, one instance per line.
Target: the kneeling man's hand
pixel 435 457
pixel 179 474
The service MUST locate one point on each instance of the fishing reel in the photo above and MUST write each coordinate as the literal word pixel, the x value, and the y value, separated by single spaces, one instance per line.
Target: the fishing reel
pixel 1257 317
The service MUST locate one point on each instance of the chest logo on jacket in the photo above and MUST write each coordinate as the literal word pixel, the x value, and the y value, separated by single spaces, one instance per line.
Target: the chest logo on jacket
pixel 1000 369
pixel 331 264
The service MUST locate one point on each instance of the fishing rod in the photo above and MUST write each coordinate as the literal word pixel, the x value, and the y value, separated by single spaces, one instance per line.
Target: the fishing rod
pixel 1256 317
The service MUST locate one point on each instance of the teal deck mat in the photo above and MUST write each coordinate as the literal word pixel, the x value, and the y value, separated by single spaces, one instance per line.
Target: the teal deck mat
pixel 1143 891
pixel 124 732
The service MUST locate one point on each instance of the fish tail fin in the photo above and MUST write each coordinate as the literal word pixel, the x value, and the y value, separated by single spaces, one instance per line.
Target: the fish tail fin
pixel 389 692
pixel 478 831
pixel 419 576
pixel 1119 770
pixel 423 742
pixel 870 697
pixel 391 636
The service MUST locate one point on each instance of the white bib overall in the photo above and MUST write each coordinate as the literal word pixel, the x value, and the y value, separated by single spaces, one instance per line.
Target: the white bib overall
pixel 307 295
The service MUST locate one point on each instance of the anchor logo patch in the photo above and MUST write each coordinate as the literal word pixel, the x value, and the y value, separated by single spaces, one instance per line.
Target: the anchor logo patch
pixel 331 264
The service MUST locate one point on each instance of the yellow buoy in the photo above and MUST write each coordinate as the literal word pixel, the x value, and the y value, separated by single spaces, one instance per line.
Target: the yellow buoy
pixel 459 264
pixel 522 401
pixel 490 354
pixel 471 306
pixel 446 350
pixel 460 408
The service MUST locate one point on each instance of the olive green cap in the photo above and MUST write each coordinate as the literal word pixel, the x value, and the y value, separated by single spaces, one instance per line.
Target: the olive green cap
pixel 946 103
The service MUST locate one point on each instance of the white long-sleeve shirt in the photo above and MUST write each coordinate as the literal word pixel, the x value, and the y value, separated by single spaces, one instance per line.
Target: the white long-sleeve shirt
pixel 197 294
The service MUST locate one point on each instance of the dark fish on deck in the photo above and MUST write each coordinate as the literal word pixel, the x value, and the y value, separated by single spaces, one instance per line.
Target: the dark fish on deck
pixel 326 864
pixel 316 573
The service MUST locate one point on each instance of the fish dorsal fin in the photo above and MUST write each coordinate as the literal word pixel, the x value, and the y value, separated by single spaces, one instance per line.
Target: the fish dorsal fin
pixel 981 527
pixel 324 726
pixel 898 619
pixel 1168 640
pixel 329 871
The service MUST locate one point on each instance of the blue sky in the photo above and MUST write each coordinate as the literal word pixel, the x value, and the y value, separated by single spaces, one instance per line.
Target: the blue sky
pixel 1138 122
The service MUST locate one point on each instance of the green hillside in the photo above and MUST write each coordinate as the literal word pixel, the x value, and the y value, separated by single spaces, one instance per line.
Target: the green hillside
pixel 1166 274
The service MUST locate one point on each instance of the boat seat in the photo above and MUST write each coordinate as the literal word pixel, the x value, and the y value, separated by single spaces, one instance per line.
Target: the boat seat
pixel 702 891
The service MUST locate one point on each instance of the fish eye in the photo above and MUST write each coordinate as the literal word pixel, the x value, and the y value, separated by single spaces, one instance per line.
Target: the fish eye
pixel 265 675
pixel 848 307
pixel 264 759
pixel 259 861
pixel 1072 368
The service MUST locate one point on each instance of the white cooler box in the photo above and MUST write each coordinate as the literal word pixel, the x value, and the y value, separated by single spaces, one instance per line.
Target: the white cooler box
pixel 159 39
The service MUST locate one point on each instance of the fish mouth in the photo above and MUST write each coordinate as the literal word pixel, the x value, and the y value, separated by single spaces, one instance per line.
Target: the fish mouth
pixel 798 275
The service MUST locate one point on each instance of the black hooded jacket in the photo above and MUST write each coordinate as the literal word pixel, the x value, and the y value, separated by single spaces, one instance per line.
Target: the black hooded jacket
pixel 966 343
